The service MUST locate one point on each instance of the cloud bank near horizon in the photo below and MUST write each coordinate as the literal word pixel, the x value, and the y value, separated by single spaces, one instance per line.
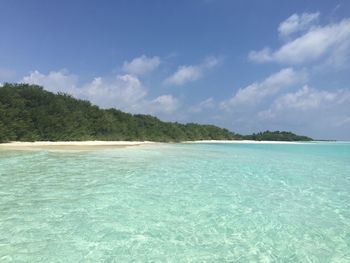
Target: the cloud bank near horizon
pixel 125 92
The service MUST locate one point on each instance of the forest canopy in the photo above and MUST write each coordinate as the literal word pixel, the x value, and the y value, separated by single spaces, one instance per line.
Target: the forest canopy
pixel 30 113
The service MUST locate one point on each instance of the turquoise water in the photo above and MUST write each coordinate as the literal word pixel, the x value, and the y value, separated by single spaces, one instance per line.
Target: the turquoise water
pixel 177 203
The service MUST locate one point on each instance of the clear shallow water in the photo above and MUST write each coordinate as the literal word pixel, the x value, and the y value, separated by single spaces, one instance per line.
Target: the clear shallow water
pixel 177 203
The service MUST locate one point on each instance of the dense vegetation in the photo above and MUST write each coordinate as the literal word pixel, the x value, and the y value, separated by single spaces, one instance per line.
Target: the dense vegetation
pixel 29 113
pixel 276 136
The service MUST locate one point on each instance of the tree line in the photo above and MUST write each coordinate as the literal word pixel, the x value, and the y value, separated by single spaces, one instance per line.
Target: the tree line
pixel 30 113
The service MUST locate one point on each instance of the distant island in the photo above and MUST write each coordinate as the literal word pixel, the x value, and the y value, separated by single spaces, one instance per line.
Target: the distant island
pixel 30 113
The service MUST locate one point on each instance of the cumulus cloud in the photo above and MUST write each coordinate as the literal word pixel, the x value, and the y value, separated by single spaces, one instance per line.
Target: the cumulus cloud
pixel 55 81
pixel 122 91
pixel 315 48
pixel 320 42
pixel 141 65
pixel 296 23
pixel 188 73
pixel 184 74
pixel 303 99
pixel 257 91
pixel 125 92
pixel 310 108
pixel 306 98
pixel 162 104
pixel 263 55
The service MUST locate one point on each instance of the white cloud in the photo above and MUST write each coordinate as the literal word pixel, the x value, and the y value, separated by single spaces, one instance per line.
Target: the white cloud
pixel 203 105
pixel 261 56
pixel 124 92
pixel 141 65
pixel 321 104
pixel 329 42
pixel 162 104
pixel 127 93
pixel 296 23
pixel 185 74
pixel 320 113
pixel 257 91
pixel 55 81
pixel 304 99
pixel 317 49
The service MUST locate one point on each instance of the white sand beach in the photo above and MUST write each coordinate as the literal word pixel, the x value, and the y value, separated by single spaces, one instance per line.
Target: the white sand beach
pixel 245 141
pixel 91 145
pixel 81 144
pixel 69 145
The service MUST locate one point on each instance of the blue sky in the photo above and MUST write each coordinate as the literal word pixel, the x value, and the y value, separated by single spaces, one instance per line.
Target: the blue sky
pixel 244 65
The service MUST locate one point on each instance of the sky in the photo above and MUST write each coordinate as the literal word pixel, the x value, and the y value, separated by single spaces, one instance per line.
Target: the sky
pixel 247 66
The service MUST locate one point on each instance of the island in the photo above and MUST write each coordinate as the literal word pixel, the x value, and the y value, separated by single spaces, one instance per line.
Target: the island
pixel 30 113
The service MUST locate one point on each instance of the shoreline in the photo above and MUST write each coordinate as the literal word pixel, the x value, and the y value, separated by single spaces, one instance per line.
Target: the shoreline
pixel 96 144
pixel 76 143
pixel 247 142
pixel 69 145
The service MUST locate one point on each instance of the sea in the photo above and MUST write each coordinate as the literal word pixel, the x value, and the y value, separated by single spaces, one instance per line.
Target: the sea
pixel 177 203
